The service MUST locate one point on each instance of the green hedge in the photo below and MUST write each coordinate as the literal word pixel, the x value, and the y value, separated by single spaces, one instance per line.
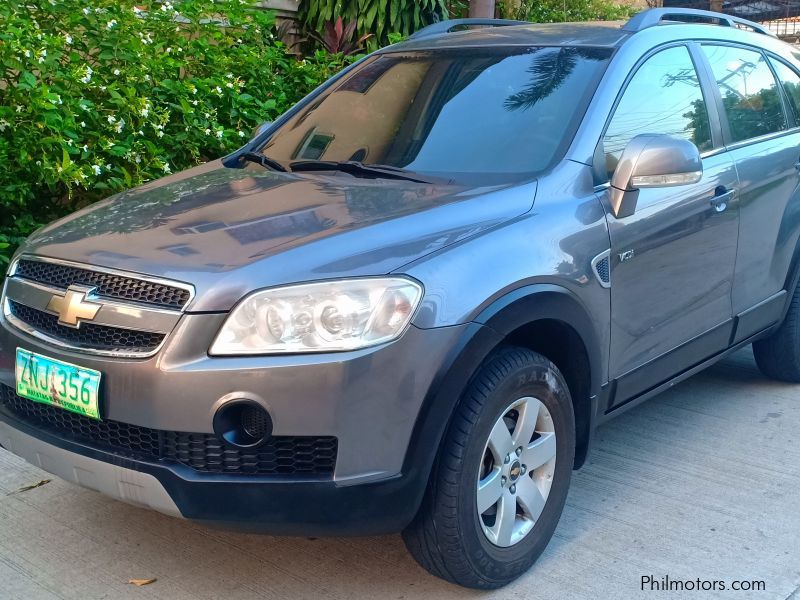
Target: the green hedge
pixel 100 96
pixel 558 11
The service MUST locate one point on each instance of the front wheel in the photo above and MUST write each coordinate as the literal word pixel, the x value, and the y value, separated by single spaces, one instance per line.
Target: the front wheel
pixel 502 475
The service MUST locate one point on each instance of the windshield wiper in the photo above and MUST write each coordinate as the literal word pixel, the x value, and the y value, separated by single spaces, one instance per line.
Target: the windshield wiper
pixel 264 161
pixel 358 169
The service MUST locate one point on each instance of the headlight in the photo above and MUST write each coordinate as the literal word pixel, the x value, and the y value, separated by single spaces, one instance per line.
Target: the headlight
pixel 319 317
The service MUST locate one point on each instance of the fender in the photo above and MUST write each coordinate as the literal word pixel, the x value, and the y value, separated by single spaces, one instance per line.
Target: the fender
pixel 483 336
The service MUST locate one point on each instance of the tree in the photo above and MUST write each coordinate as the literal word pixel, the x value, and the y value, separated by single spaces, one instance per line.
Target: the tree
pixel 482 9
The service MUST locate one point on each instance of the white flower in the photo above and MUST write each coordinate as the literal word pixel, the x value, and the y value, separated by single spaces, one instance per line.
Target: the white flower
pixel 83 123
pixel 206 131
pixel 116 71
pixel 207 115
pixel 229 84
pixel 27 53
pixel 194 103
pixel 147 77
pixel 166 168
pixel 111 24
pixel 58 99
pixel 169 50
pixel 144 112
pixel 166 7
pixel 112 119
pixel 140 132
pixel 4 124
pixel 85 148
pixel 86 11
pixel 229 75
pixel 20 107
pixel 109 167
pixel 120 126
pixel 242 134
pixel 69 142
pixel 68 39
pixel 218 89
pixel 102 88
pixel 97 169
pixel 42 56
pixel 137 159
pixel 218 133
pixel 88 77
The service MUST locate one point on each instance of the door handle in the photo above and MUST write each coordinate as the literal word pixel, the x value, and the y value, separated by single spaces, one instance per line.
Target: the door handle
pixel 797 166
pixel 721 198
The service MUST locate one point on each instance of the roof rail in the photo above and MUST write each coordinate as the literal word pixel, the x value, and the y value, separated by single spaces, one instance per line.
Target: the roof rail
pixel 654 16
pixel 449 25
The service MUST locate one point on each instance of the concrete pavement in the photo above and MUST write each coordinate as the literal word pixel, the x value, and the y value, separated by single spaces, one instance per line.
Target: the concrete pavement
pixel 701 482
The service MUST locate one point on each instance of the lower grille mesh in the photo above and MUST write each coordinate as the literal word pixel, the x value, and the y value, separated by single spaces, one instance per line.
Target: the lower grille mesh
pixel 282 455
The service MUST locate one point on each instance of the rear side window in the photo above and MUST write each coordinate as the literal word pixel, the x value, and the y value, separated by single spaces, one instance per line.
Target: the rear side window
pixel 790 81
pixel 749 92
pixel 663 97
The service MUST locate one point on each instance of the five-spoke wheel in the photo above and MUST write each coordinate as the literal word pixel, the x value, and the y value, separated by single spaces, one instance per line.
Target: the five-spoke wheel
pixel 516 471
pixel 502 474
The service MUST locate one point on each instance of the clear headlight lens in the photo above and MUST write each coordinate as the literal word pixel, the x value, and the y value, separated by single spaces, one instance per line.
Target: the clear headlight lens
pixel 320 317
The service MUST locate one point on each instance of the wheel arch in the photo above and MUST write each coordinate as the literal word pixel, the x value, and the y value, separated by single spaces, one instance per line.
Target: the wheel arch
pixel 533 317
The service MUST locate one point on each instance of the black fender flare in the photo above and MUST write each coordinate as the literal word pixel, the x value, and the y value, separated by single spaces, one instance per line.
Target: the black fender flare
pixel 482 336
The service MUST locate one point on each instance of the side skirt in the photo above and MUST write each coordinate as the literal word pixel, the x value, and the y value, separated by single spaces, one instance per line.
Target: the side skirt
pixel 636 400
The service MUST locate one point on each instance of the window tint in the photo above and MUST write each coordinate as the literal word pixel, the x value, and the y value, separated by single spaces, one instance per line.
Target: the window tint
pixel 663 97
pixel 486 114
pixel 749 92
pixel 790 81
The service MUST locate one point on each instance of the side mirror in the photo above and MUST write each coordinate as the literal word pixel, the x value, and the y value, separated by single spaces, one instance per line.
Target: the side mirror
pixel 652 161
pixel 261 129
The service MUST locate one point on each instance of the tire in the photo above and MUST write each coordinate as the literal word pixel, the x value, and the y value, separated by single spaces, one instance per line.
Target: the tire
pixel 778 356
pixel 448 537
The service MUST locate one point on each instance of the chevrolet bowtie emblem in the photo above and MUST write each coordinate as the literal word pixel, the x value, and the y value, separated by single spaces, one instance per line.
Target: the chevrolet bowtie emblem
pixel 72 308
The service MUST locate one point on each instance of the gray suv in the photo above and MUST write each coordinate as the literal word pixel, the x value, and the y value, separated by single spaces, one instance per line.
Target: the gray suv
pixel 407 304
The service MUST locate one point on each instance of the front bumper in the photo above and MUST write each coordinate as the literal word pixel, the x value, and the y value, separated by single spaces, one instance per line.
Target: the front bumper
pixel 368 400
pixel 278 507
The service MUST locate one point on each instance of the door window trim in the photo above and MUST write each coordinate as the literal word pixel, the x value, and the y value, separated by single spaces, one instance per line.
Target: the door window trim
pixel 728 142
pixel 717 139
pixel 773 58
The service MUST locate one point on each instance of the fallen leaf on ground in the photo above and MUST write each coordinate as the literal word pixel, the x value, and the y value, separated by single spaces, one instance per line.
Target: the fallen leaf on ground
pixel 28 488
pixel 141 582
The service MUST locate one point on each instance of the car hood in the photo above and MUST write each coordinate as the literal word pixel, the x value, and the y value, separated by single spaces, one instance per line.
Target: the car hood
pixel 230 231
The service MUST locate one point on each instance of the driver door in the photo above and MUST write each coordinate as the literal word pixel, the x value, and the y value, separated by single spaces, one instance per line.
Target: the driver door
pixel 673 259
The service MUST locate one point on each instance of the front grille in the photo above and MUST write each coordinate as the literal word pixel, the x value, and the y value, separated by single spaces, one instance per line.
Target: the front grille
pixel 89 335
pixel 282 455
pixel 108 285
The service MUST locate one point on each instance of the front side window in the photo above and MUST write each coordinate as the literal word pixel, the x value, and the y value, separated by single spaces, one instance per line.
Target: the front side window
pixel 790 81
pixel 663 97
pixel 749 92
pixel 495 114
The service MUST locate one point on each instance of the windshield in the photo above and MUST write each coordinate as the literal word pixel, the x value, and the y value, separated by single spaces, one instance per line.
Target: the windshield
pixel 498 113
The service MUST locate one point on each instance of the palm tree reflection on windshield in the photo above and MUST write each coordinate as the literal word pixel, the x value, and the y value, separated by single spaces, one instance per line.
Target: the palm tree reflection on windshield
pixel 549 70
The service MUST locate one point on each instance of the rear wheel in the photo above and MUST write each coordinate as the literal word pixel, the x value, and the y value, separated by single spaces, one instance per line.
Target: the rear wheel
pixel 778 356
pixel 502 475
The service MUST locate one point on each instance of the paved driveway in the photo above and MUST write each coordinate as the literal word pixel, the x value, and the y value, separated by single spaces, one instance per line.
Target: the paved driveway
pixel 701 482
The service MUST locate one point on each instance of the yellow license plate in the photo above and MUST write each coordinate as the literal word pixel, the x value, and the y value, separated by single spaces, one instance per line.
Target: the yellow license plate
pixel 50 381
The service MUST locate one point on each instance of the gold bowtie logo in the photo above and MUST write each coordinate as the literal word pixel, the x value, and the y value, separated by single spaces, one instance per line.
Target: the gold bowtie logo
pixel 72 308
